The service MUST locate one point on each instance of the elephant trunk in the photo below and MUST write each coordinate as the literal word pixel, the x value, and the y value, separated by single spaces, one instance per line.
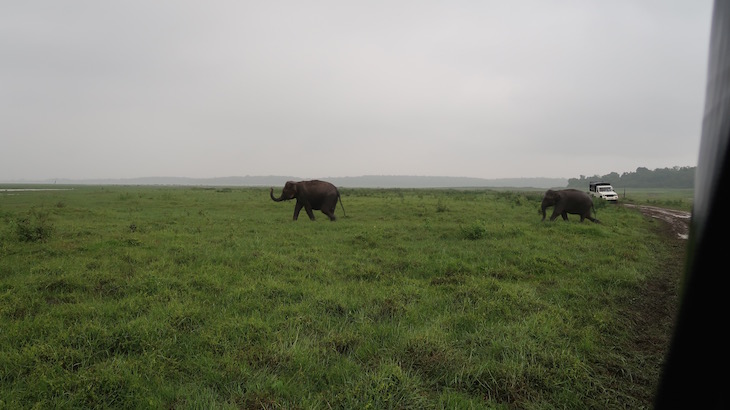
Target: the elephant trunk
pixel 543 211
pixel 279 199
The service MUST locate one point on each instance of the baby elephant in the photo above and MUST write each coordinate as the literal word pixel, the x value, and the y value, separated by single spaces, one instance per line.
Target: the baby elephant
pixel 568 201
pixel 311 195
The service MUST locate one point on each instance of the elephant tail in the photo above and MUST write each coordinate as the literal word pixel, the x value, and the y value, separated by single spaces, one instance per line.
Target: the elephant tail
pixel 341 204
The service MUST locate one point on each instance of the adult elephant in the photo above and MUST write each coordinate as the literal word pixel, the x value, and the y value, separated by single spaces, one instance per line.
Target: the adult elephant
pixel 311 195
pixel 568 201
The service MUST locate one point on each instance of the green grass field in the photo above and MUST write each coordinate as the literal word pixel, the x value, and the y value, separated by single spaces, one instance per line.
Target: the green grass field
pixel 165 297
pixel 674 198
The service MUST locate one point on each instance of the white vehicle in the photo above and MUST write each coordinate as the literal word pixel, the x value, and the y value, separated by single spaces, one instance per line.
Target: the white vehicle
pixel 603 190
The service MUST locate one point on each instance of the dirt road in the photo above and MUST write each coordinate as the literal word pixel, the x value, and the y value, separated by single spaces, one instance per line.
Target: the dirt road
pixel 678 220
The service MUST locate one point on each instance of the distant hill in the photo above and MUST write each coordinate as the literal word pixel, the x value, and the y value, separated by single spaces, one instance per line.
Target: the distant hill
pixel 402 181
pixel 183 181
pixel 368 181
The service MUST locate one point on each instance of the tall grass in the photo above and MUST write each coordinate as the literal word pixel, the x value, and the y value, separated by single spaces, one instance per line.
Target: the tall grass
pixel 145 297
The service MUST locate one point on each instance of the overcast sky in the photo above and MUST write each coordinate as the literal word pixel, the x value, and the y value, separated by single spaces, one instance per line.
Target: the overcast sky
pixel 489 89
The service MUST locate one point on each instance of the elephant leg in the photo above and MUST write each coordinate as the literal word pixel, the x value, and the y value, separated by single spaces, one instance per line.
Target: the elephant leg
pixel 297 208
pixel 330 213
pixel 308 208
pixel 564 215
pixel 329 210
pixel 592 219
pixel 554 215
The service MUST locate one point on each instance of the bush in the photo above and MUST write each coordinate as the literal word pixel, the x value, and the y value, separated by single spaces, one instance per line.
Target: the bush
pixel 33 228
pixel 599 203
pixel 476 230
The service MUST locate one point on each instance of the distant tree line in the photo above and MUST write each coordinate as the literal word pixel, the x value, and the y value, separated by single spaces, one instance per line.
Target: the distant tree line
pixel 676 177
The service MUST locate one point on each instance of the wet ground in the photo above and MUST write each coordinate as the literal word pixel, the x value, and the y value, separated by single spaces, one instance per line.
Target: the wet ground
pixel 677 220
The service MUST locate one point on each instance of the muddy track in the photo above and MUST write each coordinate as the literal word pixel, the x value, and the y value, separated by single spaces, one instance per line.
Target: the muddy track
pixel 677 220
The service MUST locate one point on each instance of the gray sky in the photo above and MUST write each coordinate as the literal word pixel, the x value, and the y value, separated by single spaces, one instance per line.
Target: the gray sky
pixel 489 89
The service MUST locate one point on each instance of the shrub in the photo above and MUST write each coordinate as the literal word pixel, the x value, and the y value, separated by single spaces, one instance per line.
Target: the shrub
pixel 600 203
pixel 475 231
pixel 33 228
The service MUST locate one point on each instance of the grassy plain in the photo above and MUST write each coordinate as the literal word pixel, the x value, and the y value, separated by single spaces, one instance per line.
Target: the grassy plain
pixel 165 297
pixel 673 198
